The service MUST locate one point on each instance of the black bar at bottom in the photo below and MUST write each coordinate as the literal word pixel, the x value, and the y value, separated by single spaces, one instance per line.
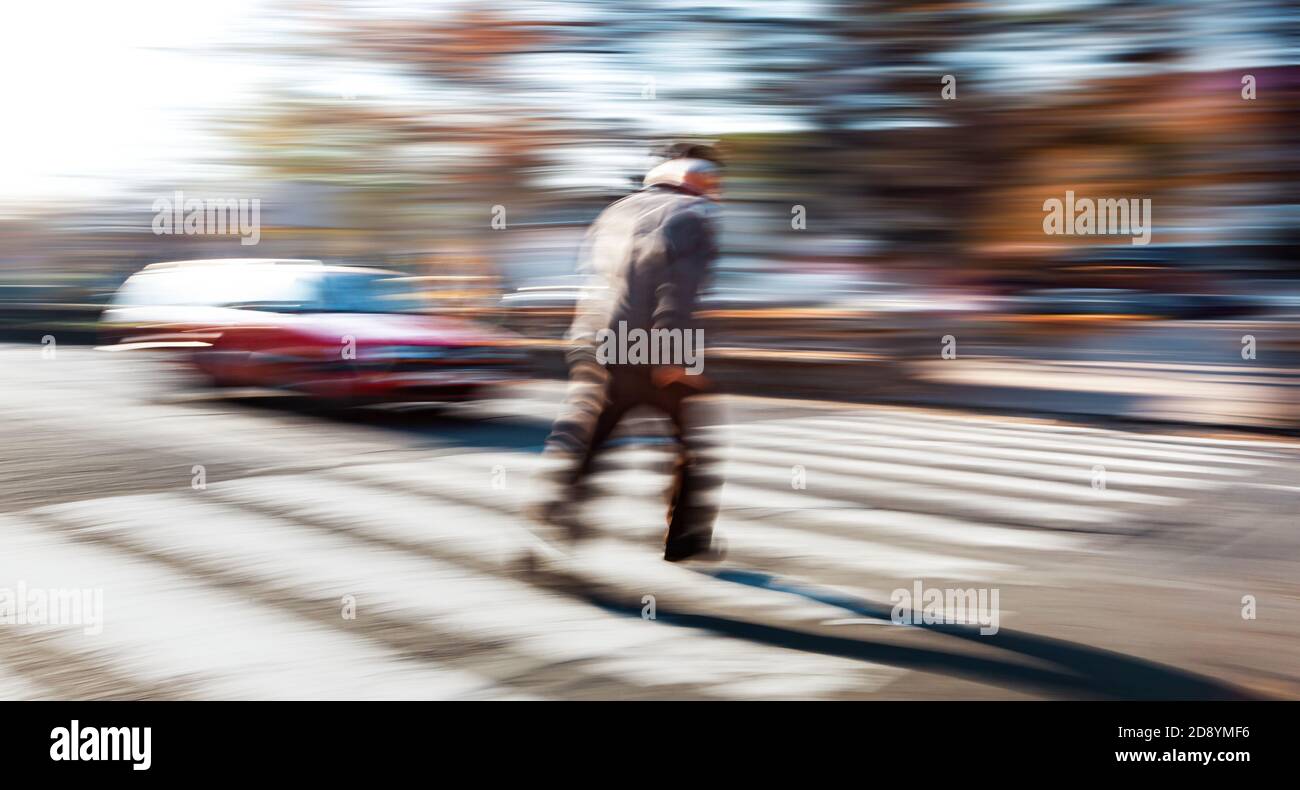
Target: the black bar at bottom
pixel 205 740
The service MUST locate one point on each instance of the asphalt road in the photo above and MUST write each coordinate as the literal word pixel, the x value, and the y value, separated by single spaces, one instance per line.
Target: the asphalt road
pixel 253 548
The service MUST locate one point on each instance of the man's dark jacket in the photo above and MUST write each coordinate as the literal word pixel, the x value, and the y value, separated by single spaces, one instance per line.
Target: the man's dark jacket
pixel 646 257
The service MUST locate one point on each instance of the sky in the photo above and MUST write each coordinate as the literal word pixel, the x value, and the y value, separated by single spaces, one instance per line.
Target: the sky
pixel 95 92
pixel 99 95
pixel 102 95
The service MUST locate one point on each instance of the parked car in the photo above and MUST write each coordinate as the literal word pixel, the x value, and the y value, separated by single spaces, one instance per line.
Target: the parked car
pixel 343 333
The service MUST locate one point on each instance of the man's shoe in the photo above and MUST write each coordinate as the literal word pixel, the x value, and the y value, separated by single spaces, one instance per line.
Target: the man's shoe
pixel 697 549
pixel 559 516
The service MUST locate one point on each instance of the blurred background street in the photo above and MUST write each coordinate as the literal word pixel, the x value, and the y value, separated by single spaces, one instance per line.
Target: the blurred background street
pixel 283 294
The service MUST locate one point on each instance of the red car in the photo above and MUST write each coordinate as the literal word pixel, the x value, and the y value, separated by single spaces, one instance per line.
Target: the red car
pixel 342 333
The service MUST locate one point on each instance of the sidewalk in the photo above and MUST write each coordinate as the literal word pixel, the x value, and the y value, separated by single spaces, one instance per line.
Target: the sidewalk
pixel 1205 394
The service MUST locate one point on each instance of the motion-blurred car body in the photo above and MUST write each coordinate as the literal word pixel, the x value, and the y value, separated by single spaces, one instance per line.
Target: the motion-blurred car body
pixel 342 333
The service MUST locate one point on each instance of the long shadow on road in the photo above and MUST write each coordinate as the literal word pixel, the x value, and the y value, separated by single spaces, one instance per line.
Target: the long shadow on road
pixel 1085 670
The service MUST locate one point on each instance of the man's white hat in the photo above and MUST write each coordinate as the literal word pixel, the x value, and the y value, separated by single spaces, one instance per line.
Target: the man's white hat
pixel 699 176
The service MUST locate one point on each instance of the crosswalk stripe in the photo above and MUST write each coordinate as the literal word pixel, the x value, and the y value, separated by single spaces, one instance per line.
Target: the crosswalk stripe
pixel 751 540
pixel 169 629
pixel 15 686
pixel 540 629
pixel 832 444
pixel 748 539
pixel 917 527
pixel 848 545
pixel 631 472
pixel 925 498
pixel 1211 444
pixel 408 520
pixel 852 473
pixel 1108 447
pixel 1031 426
pixel 342 506
pixel 847 436
pixel 639 472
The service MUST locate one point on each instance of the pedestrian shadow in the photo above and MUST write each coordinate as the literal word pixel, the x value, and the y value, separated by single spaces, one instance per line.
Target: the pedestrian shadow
pixel 1074 670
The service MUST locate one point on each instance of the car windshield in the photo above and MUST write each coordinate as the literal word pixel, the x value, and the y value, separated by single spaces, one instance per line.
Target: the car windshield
pixel 212 286
pixel 274 289
pixel 368 293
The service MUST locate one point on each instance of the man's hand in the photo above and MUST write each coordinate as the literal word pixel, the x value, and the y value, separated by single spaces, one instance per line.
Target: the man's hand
pixel 664 376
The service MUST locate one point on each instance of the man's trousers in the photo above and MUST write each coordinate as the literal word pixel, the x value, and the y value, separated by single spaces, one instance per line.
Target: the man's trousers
pixel 598 398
